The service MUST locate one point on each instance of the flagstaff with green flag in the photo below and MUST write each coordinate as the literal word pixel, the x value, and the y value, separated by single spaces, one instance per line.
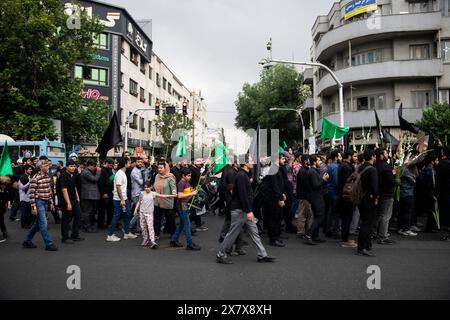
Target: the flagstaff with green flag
pixel 5 162
pixel 181 149
pixel 332 131
pixel 220 158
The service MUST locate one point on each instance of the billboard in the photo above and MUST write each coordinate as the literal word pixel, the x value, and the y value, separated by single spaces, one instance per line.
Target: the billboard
pixel 358 7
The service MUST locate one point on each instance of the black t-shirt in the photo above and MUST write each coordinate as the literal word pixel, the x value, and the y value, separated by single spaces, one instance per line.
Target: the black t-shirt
pixel 66 181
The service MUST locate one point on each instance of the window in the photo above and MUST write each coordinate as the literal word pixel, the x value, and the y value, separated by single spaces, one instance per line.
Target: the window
pixel 134 56
pixel 150 72
pixel 169 88
pixel 150 97
pixel 370 103
pixel 141 124
pixel 133 125
pixel 422 99
pixel 368 57
pixel 422 6
pixel 92 75
pixel 158 80
pixel 101 41
pixel 445 50
pixel 444 96
pixel 142 68
pixel 149 127
pixel 333 107
pixel 419 51
pixel 142 94
pixel 133 87
pixel 164 83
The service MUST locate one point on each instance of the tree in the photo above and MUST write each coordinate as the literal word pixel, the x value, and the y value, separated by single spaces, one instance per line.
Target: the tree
pixel 437 119
pixel 38 53
pixel 280 86
pixel 168 123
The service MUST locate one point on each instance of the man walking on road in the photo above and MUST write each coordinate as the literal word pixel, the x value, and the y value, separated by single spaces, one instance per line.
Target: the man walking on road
pixel 241 214
pixel 40 200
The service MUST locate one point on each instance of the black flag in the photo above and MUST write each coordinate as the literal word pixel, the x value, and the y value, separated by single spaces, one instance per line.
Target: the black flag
pixel 389 138
pixel 405 125
pixel 380 129
pixel 111 137
pixel 431 141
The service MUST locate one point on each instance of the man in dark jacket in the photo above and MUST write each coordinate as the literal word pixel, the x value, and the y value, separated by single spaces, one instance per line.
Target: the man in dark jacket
pixel 368 205
pixel 429 191
pixel 316 198
pixel 241 214
pixel 305 216
pixel 386 186
pixel 89 195
pixel 105 187
pixel 443 188
pixel 346 169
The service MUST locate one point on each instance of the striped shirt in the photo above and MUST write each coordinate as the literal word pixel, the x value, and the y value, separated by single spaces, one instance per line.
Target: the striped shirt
pixel 40 188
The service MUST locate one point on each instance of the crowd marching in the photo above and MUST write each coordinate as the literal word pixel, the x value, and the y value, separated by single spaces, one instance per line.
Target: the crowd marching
pixel 355 198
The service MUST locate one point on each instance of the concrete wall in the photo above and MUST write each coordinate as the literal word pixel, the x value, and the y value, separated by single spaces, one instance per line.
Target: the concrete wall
pixel 401 46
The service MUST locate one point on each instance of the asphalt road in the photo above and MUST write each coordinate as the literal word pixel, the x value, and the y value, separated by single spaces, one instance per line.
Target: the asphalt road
pixel 414 268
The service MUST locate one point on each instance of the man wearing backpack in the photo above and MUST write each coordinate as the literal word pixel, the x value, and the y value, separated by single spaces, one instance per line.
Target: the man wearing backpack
pixel 315 197
pixel 346 169
pixel 368 204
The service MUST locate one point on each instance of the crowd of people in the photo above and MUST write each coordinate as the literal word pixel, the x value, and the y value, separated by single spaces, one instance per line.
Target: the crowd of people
pixel 357 199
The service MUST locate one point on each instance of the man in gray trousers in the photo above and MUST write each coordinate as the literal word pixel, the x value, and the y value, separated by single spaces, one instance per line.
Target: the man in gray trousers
pixel 241 214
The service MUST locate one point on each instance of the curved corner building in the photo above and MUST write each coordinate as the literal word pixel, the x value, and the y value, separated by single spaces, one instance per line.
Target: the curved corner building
pixel 385 52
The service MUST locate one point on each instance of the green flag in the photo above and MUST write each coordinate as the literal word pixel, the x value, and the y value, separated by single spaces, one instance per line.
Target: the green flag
pixel 280 149
pixel 332 131
pixel 220 158
pixel 181 150
pixel 284 144
pixel 5 162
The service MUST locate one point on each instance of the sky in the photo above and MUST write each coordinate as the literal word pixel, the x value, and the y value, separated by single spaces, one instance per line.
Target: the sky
pixel 215 45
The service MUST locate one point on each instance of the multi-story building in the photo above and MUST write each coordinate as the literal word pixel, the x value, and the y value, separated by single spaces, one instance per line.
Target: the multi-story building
pixel 386 53
pixel 128 75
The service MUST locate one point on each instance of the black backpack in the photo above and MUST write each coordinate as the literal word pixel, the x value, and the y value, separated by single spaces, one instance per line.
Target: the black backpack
pixel 353 191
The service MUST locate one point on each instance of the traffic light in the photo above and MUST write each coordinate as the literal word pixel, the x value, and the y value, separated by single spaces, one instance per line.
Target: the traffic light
pixel 157 105
pixel 185 108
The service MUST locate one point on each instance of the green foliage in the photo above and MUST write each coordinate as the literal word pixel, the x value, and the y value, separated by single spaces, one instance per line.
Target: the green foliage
pixel 168 123
pixel 280 86
pixel 437 119
pixel 38 53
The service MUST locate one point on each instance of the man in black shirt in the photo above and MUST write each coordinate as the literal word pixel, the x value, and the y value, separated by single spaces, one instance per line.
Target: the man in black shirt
pixel 443 188
pixel 241 214
pixel 346 169
pixel 305 216
pixel 368 205
pixel 106 187
pixel 69 204
pixel 386 186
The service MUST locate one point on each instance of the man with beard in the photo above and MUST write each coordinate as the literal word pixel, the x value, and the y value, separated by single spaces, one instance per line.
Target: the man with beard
pixel 346 169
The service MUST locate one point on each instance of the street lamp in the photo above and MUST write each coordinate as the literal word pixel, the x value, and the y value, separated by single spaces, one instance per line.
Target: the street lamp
pixel 299 112
pixel 268 61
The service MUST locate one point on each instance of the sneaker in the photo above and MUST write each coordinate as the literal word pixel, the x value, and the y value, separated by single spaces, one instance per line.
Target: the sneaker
pixel 202 228
pixel 415 229
pixel 411 233
pixel 348 244
pixel 68 241
pixel 446 238
pixel 51 247
pixel 2 239
pixel 193 247
pixel 366 253
pixel 266 259
pixel 240 252
pixel 154 246
pixel 308 240
pixel 386 241
pixel 175 244
pixel 156 237
pixel 128 236
pixel 402 232
pixel 112 238
pixel 277 243
pixel 77 239
pixel 29 245
pixel 223 260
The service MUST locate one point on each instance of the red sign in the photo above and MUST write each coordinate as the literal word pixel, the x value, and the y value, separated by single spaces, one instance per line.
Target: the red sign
pixel 93 94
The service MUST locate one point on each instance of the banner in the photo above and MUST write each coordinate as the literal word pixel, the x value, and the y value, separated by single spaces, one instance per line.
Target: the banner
pixel 358 7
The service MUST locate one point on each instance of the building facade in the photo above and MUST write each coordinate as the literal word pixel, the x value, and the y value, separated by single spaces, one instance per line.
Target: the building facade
pixel 386 53
pixel 128 75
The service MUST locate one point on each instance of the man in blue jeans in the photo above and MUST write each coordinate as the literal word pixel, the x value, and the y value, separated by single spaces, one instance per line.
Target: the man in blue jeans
pixel 185 194
pixel 40 200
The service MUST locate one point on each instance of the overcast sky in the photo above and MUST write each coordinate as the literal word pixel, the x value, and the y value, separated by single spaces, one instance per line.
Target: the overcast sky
pixel 215 45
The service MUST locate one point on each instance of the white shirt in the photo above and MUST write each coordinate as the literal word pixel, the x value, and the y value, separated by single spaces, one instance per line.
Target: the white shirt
pixel 120 179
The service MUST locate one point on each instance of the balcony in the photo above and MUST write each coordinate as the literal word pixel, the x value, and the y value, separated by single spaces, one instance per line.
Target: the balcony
pixel 389 70
pixel 387 27
pixel 309 104
pixel 366 118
